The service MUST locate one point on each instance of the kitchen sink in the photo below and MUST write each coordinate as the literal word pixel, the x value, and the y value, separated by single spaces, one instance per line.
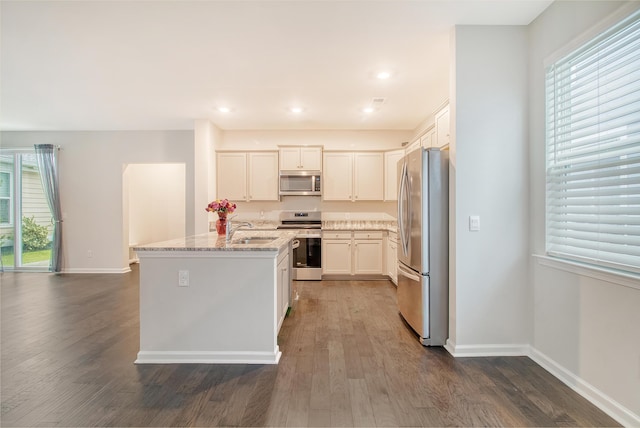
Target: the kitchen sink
pixel 255 240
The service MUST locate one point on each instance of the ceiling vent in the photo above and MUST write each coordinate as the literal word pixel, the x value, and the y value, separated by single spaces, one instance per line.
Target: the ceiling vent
pixel 377 102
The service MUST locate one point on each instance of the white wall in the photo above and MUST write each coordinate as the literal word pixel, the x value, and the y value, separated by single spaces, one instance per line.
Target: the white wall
pixel 331 140
pixel 91 186
pixel 489 146
pixel 206 139
pixel 156 202
pixel 585 329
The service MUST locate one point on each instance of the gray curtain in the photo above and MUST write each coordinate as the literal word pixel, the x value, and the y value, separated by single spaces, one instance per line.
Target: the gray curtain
pixel 45 153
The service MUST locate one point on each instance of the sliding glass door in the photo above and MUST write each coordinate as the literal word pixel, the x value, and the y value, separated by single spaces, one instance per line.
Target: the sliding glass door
pixel 26 224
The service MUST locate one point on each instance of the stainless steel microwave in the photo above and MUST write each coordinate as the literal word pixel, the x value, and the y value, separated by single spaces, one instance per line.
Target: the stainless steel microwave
pixel 302 183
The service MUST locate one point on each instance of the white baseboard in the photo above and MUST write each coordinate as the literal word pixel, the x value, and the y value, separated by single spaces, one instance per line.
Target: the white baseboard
pixel 599 399
pixel 97 270
pixel 486 350
pixel 596 397
pixel 213 357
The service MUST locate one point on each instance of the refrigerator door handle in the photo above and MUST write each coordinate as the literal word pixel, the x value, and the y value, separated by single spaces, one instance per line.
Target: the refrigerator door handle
pixel 402 197
pixel 406 273
pixel 400 207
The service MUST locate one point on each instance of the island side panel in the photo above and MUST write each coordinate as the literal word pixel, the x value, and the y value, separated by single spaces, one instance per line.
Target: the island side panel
pixel 226 314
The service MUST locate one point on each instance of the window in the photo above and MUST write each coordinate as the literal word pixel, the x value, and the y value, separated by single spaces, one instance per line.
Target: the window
pixel 593 151
pixel 5 198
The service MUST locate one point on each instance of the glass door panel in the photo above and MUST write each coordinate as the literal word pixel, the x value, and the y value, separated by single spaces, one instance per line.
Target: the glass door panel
pixel 7 234
pixel 25 219
pixel 37 222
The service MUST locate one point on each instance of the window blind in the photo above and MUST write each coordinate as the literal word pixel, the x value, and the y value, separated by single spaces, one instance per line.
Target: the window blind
pixel 593 151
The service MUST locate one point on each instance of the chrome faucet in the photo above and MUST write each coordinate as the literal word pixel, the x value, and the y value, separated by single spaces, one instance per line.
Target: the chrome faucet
pixel 231 230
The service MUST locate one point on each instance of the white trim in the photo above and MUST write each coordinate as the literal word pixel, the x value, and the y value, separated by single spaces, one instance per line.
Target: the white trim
pixel 492 350
pixel 596 397
pixel 97 270
pixel 615 277
pixel 601 26
pixel 208 357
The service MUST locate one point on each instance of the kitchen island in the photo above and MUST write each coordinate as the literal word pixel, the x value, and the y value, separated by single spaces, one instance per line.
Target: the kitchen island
pixel 203 300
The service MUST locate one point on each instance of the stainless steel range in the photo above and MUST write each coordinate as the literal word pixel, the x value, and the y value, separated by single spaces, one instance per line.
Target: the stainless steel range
pixel 307 246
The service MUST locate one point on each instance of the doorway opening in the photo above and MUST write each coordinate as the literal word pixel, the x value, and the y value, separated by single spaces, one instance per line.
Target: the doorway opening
pixel 154 205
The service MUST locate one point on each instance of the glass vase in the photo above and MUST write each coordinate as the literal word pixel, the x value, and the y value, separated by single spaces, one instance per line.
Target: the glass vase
pixel 221 225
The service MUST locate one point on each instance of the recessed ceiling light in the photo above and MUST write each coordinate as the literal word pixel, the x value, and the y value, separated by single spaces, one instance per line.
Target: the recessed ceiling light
pixel 224 109
pixel 382 75
pixel 296 110
pixel 367 110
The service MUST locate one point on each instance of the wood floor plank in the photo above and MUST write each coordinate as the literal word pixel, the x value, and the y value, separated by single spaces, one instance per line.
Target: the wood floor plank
pixel 361 409
pixel 69 342
pixel 320 391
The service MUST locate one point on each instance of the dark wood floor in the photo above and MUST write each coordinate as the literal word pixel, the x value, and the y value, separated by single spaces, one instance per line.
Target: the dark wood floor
pixel 69 342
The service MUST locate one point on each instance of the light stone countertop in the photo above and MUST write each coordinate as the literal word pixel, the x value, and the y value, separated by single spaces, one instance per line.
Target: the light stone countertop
pixel 213 242
pixel 257 224
pixel 357 225
pixel 331 224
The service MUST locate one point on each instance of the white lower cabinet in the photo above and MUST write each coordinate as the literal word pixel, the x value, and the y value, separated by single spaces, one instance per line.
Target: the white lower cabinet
pixel 352 253
pixel 392 257
pixel 336 253
pixel 367 253
pixel 282 288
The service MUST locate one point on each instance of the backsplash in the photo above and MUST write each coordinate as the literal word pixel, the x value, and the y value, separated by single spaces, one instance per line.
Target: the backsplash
pixel 330 220
pixel 272 210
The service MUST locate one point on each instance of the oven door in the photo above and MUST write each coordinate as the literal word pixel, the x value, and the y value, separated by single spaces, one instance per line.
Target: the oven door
pixel 307 258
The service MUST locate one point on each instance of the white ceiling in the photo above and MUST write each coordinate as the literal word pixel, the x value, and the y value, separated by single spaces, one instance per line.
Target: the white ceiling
pixel 118 65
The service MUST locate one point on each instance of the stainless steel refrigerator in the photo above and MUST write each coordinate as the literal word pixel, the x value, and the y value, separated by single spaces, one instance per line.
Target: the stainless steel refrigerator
pixel 423 243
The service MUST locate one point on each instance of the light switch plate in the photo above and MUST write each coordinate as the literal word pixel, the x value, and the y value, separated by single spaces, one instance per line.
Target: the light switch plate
pixel 474 223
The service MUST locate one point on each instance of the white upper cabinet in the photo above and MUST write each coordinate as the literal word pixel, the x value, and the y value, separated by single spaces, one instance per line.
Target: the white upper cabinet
pixel 245 176
pixel 391 174
pixel 263 176
pixel 337 176
pixel 416 144
pixel 311 158
pixel 428 139
pixel 355 176
pixel 232 176
pixel 301 158
pixel 442 128
pixel 368 175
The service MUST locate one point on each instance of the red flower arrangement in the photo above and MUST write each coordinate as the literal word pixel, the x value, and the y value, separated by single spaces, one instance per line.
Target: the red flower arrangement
pixel 222 207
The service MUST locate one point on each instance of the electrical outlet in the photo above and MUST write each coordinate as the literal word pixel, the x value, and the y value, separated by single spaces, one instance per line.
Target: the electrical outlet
pixel 90 253
pixel 183 278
